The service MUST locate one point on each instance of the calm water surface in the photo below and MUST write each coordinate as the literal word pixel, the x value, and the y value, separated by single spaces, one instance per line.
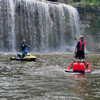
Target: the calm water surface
pixel 46 79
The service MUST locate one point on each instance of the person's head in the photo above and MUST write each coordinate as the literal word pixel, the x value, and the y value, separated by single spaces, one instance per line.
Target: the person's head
pixel 23 40
pixel 81 37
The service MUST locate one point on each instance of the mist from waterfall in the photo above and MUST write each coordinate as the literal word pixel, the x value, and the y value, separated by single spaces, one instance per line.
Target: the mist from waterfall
pixel 46 26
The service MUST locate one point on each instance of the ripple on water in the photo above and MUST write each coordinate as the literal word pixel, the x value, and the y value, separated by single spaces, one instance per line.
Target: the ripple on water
pixel 46 79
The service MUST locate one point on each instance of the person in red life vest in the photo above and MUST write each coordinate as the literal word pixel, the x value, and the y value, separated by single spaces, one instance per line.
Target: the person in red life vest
pixel 79 49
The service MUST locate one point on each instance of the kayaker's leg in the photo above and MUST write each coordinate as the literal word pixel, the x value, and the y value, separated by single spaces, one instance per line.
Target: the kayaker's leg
pixel 21 56
pixel 85 62
pixel 23 53
pixel 74 59
pixel 77 54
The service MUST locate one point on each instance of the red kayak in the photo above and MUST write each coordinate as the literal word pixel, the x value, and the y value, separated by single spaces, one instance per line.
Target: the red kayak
pixel 79 66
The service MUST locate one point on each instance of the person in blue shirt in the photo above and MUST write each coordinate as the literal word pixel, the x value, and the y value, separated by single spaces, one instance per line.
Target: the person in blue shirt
pixel 23 47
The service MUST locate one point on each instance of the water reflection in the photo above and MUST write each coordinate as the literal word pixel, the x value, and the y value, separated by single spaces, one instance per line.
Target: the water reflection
pixel 79 84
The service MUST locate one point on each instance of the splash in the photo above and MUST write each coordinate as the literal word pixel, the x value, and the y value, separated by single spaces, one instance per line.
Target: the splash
pixel 96 72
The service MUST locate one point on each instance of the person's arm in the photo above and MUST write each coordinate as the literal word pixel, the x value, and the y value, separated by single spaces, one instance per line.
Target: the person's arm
pixel 77 46
pixel 77 39
pixel 75 51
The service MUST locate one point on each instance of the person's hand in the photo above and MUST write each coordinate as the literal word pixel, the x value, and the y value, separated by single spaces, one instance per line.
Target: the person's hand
pixel 77 38
pixel 86 54
pixel 74 53
pixel 29 46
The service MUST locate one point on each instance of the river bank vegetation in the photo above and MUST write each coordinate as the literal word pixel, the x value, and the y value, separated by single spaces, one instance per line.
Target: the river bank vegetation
pixel 85 2
pixel 88 2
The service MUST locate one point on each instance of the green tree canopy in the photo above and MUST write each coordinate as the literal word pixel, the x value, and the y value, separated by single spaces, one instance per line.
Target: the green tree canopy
pixel 91 2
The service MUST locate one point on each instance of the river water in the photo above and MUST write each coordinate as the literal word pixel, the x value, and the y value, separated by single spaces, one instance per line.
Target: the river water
pixel 46 79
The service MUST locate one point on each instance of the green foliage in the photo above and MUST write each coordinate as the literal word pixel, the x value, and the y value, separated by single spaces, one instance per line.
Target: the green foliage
pixel 88 2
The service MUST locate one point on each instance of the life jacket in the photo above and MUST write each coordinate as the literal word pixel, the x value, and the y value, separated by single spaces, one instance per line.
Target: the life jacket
pixel 82 45
pixel 23 46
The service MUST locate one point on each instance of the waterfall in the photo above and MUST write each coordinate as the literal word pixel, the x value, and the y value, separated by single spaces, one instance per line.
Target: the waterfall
pixel 13 39
pixel 46 26
pixel 74 21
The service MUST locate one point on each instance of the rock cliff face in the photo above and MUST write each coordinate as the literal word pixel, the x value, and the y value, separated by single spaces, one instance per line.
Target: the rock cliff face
pixel 65 1
pixel 61 1
pixel 90 18
pixel 53 0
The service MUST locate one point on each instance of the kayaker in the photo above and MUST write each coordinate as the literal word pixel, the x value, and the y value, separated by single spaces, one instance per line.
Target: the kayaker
pixel 79 49
pixel 23 47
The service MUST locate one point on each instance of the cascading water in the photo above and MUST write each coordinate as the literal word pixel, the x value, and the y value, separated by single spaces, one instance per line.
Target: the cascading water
pixel 13 39
pixel 46 26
